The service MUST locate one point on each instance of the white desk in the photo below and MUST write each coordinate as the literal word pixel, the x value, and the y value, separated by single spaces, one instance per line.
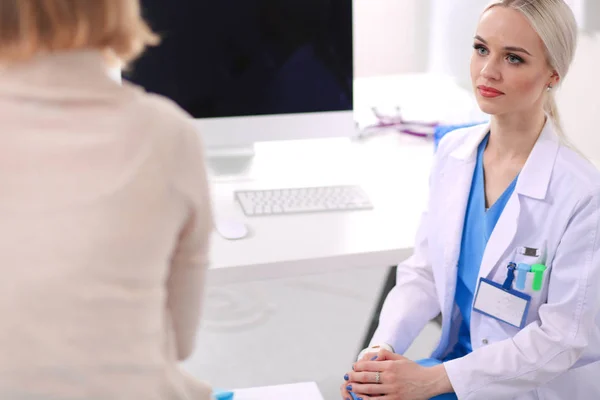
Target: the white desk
pixel 297 391
pixel 393 169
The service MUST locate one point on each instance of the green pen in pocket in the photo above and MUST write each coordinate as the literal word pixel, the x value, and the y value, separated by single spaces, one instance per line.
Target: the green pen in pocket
pixel 538 276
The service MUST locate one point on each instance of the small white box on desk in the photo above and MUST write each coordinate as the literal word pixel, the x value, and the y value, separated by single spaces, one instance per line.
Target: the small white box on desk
pixel 296 391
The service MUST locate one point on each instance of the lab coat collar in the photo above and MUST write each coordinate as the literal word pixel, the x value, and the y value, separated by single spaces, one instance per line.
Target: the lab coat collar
pixel 534 179
pixel 533 182
pixel 467 151
pixel 535 176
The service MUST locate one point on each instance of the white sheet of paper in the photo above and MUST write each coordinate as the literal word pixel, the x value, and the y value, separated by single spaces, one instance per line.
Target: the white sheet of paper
pixel 297 391
pixel 500 304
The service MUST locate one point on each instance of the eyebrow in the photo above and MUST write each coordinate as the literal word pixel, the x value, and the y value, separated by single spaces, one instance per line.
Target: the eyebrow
pixel 509 48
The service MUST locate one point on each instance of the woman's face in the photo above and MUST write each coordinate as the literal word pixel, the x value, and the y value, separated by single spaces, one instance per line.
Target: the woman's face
pixel 509 67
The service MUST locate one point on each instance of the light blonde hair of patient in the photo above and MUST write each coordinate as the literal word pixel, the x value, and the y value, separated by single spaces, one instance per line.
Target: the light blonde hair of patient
pixel 30 27
pixel 554 22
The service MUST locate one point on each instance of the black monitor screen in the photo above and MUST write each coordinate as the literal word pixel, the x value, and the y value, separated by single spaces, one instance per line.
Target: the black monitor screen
pixel 223 58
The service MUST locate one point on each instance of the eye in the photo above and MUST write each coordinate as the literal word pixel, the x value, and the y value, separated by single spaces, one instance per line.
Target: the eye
pixel 480 49
pixel 514 59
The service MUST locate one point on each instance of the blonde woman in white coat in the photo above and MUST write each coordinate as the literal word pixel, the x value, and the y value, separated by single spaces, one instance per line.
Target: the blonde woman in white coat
pixel 509 250
pixel 104 210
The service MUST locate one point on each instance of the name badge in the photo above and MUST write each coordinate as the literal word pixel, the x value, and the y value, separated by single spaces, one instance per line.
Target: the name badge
pixel 502 303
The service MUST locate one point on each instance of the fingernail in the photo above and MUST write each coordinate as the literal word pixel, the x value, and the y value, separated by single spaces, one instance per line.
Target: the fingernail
pixel 352 367
pixel 349 388
pixel 374 358
pixel 346 377
pixel 360 398
pixel 348 398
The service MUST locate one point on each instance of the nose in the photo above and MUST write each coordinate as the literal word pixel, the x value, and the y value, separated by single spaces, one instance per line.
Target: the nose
pixel 491 70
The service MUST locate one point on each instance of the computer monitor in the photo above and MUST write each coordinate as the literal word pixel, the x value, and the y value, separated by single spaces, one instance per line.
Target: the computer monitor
pixel 253 70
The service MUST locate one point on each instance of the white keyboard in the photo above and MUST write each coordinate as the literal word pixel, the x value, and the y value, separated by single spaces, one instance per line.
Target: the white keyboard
pixel 303 200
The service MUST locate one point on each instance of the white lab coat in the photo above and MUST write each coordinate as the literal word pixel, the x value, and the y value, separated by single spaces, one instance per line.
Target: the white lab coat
pixel 555 208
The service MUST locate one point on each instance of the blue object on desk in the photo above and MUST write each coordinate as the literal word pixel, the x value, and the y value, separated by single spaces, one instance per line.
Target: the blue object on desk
pixel 223 395
pixel 441 130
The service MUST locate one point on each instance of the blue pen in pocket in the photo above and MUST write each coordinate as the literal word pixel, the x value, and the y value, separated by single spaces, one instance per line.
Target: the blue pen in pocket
pixel 510 276
pixel 523 270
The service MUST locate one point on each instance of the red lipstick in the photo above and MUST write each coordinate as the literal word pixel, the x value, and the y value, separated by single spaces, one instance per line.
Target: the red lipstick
pixel 489 92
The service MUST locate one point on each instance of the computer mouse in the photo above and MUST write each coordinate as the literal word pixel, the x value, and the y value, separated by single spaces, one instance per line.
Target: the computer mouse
pixel 232 229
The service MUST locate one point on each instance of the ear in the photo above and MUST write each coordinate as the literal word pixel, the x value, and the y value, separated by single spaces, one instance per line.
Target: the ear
pixel 554 79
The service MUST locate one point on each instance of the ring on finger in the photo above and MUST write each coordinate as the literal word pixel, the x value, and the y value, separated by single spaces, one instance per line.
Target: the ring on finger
pixel 377 377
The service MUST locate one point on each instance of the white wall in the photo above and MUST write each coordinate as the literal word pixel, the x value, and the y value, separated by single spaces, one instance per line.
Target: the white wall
pixel 591 22
pixel 390 36
pixel 453 24
pixel 578 101
pixel 412 36
pixel 587 13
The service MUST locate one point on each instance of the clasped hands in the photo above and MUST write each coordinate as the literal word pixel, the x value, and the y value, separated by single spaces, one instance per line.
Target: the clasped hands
pixel 389 376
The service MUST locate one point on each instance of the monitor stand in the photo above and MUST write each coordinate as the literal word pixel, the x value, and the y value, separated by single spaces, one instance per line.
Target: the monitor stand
pixel 230 163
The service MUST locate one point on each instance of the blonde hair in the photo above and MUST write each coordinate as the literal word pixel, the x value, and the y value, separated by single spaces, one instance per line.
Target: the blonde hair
pixel 554 22
pixel 28 27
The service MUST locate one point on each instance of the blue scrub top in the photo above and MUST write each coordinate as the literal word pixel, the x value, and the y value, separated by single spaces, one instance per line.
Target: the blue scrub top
pixel 477 229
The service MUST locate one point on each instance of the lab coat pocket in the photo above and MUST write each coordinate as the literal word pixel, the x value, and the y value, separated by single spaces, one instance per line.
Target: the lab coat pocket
pixel 529 279
pixel 534 286
pixel 529 254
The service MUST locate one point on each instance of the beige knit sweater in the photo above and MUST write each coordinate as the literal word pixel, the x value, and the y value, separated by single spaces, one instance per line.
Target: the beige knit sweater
pixel 104 226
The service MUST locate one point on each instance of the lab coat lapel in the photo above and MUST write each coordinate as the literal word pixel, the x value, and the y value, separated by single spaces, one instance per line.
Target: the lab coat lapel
pixel 457 177
pixel 533 182
pixel 502 235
